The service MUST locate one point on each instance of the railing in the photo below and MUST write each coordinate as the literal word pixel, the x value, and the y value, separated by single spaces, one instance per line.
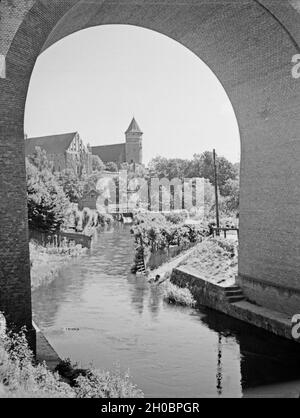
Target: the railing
pixel 217 231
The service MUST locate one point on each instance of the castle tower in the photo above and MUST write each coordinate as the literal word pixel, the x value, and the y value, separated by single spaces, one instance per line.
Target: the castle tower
pixel 134 143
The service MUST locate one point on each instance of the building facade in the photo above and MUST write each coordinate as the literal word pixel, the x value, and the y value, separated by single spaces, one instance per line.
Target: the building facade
pixel 131 151
pixel 66 151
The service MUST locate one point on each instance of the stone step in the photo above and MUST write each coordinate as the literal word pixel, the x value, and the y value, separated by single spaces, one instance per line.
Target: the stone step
pixel 234 293
pixel 232 288
pixel 233 299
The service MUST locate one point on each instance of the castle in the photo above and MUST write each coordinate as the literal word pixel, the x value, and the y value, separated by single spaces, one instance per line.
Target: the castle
pixel 67 151
pixel 129 152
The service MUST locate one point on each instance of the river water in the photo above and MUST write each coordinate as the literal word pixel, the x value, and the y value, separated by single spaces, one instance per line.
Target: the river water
pixel 98 313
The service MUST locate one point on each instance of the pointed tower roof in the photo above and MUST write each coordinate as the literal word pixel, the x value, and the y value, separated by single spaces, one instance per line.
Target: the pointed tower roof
pixel 133 127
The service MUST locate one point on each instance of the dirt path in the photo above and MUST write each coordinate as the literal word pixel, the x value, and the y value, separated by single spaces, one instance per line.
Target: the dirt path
pixel 169 266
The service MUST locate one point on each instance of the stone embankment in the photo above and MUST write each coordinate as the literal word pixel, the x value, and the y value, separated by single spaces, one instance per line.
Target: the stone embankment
pixel 215 296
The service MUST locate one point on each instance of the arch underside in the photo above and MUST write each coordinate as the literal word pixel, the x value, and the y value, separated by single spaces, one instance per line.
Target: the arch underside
pixel 249 45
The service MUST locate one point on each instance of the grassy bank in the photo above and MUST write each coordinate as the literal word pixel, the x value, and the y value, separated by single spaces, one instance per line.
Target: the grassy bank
pixel 216 259
pixel 21 377
pixel 46 262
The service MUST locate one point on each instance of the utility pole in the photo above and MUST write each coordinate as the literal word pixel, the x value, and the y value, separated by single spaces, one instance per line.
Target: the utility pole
pixel 216 192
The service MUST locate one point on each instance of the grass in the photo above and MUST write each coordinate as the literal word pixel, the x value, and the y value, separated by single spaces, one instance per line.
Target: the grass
pixel 21 377
pixel 215 259
pixel 46 262
pixel 177 295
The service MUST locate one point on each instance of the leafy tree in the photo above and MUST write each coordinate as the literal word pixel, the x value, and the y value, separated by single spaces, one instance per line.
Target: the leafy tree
pixel 71 184
pixel 112 167
pixel 47 202
pixel 232 193
pixel 200 166
pixel 97 163
pixel 39 160
pixel 168 168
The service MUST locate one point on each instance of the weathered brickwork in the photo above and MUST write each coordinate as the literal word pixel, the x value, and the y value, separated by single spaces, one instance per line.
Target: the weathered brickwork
pixel 249 45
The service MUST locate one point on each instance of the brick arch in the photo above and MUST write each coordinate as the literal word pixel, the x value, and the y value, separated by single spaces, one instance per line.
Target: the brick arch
pixel 249 45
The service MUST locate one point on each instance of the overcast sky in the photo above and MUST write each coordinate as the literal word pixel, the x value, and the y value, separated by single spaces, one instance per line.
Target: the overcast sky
pixel 95 80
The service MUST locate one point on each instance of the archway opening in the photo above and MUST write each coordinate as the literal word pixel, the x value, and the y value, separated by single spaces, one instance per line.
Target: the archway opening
pixel 249 46
pixel 93 81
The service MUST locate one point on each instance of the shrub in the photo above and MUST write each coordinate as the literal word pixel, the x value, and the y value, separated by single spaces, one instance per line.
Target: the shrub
pixel 177 295
pixel 98 384
pixel 176 217
pixel 155 231
pixel 21 377
pixel 46 262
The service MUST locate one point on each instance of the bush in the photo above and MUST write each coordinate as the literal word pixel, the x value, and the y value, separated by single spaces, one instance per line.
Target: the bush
pixel 176 217
pixel 177 295
pixel 21 377
pixel 97 384
pixel 154 231
pixel 87 219
pixel 46 262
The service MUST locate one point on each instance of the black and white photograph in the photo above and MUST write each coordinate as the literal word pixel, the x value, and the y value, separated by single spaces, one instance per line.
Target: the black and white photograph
pixel 149 203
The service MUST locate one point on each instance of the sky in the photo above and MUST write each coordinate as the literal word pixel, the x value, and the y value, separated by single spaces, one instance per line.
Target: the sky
pixel 96 80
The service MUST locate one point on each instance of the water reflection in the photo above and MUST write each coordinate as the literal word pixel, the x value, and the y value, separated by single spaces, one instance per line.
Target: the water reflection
pixel 219 367
pixel 265 358
pixel 170 351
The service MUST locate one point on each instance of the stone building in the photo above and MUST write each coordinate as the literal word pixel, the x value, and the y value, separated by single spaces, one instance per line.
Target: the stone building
pixel 65 151
pixel 131 151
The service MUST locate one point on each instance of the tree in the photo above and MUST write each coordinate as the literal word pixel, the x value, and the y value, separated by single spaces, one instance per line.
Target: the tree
pixel 97 163
pixel 162 167
pixel 71 184
pixel 202 166
pixel 232 193
pixel 40 160
pixel 112 167
pixel 47 202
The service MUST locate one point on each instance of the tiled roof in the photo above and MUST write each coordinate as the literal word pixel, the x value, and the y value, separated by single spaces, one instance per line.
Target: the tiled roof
pixel 52 144
pixel 111 153
pixel 133 127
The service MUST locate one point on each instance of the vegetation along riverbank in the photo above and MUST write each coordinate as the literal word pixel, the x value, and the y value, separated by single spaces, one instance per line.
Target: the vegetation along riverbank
pixel 215 259
pixel 46 262
pixel 53 208
pixel 21 376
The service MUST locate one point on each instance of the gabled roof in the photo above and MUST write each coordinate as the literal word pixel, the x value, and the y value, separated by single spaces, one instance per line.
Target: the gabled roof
pixel 133 127
pixel 52 144
pixel 110 153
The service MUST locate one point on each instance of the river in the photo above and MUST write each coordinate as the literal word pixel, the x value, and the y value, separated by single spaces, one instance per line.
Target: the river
pixel 98 313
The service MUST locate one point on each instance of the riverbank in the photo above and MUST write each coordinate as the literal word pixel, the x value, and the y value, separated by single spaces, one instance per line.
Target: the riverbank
pixel 215 259
pixel 209 273
pixel 46 262
pixel 80 316
pixel 22 377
